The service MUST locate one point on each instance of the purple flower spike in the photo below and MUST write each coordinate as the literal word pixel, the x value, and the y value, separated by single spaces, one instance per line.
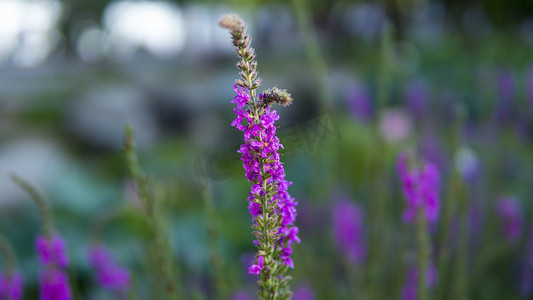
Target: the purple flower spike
pixel 510 212
pixel 54 285
pixel 11 286
pixel 52 252
pixel 53 278
pixel 421 189
pixel 348 230
pixel 273 210
pixel 109 274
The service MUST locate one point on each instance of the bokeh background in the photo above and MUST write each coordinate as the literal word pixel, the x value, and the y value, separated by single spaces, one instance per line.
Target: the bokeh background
pixel 450 80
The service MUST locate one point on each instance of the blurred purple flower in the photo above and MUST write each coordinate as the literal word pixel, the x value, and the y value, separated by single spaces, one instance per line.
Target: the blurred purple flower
pixel 394 125
pixel 303 292
pixel 416 97
pixel 506 87
pixel 506 94
pixel 53 278
pixel 360 102
pixel 348 230
pixel 409 290
pixel 421 189
pixel 52 251
pixel 510 212
pixel 109 274
pixel 11 286
pixel 240 295
pixel 529 85
pixel 54 284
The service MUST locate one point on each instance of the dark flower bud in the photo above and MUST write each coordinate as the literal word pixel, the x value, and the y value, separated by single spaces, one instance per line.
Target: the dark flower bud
pixel 275 95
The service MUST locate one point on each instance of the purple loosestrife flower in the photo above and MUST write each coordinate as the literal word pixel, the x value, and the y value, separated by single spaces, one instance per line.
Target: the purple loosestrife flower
pixel 256 269
pixel 348 230
pixel 510 212
pixel 52 251
pixel 54 284
pixel 11 286
pixel 421 189
pixel 273 210
pixel 53 278
pixel 109 274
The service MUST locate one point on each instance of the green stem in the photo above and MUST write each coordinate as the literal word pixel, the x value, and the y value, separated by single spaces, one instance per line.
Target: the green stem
pixel 9 255
pixel 449 208
pixel 379 233
pixel 161 254
pixel 460 284
pixel 423 255
pixel 44 209
pixel 212 232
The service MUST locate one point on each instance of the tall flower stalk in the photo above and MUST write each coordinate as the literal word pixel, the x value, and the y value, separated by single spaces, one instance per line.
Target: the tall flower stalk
pixel 11 279
pixel 273 210
pixel 51 248
pixel 420 187
pixel 168 279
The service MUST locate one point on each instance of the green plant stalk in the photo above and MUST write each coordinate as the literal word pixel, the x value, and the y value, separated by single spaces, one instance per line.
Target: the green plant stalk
pixel 9 255
pixel 220 289
pixel 168 278
pixel 379 232
pixel 42 206
pixel 385 69
pixel 449 208
pixel 423 247
pixel 460 276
